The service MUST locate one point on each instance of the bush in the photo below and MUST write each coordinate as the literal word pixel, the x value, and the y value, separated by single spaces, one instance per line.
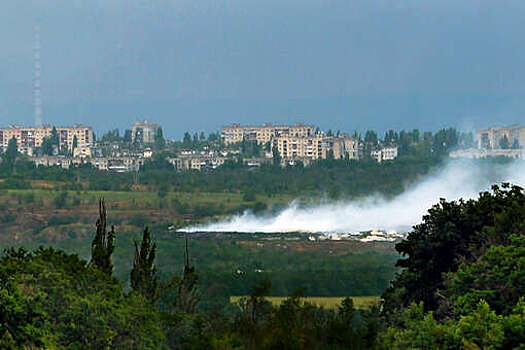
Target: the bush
pixel 249 197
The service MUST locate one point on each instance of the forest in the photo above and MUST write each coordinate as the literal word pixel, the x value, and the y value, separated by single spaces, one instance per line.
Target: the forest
pixel 460 286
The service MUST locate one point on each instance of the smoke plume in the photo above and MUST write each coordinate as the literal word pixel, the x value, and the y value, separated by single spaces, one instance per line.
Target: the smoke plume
pixel 459 179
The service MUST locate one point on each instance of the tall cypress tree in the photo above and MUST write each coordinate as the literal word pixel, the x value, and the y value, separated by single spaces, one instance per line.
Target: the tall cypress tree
pixel 188 297
pixel 102 246
pixel 143 275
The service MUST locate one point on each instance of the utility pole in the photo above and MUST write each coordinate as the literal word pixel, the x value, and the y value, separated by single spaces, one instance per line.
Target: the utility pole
pixel 37 98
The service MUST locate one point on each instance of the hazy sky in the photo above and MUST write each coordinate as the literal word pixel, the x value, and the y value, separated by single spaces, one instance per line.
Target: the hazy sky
pixel 196 65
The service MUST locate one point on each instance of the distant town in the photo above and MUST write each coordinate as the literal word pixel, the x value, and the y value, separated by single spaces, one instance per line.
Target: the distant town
pixel 254 146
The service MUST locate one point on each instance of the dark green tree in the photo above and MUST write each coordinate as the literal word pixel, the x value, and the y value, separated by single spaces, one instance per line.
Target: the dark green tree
pixel 75 144
pixel 371 137
pixel 127 135
pixel 144 274
pixel 11 152
pixel 451 233
pixel 276 156
pixel 187 139
pixel 504 142
pixel 102 246
pixel 160 143
pixel 187 297
pixel 47 146
pixel 54 137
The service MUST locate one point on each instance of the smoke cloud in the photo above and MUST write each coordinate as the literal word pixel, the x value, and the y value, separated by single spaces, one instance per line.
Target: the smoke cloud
pixel 459 179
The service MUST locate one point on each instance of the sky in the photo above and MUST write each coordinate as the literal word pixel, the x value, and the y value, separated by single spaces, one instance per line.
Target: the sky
pixel 199 65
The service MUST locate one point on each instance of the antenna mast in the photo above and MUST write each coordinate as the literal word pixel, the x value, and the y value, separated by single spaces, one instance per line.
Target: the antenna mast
pixel 37 99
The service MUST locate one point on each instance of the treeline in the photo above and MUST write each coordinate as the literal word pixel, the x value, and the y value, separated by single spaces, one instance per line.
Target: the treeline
pixel 335 178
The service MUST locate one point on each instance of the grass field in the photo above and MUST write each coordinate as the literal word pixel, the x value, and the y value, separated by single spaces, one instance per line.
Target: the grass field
pixel 361 302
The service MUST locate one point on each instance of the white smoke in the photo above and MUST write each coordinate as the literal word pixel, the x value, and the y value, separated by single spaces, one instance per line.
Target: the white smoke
pixel 459 179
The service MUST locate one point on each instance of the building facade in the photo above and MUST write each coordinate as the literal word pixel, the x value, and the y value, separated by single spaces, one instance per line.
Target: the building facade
pixel 263 134
pixel 512 137
pixel 385 153
pixel 144 132
pixel 342 147
pixel 28 139
pixel 299 147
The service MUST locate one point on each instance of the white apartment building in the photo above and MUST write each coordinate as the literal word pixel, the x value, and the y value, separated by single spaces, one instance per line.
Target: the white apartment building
pixel 385 153
pixel 29 138
pixel 492 138
pixel 298 147
pixel 263 134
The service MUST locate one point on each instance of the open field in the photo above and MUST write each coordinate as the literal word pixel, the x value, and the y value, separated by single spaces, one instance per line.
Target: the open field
pixel 360 302
pixel 26 214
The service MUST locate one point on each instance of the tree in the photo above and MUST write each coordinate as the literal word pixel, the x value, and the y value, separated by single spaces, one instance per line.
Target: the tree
pixel 371 137
pixel 187 297
pixel 452 232
pixel 504 142
pixel 497 277
pixel 202 137
pixel 55 141
pixel 127 135
pixel 516 144
pixel 212 137
pixel 11 152
pixel 160 143
pixel 187 139
pixel 102 246
pixel 276 156
pixel 75 144
pixel 143 275
pixel 47 146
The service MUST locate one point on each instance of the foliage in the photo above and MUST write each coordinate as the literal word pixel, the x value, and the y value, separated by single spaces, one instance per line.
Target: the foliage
pixel 498 277
pixel 49 299
pixel 481 328
pixel 143 275
pixel 451 233
pixel 102 246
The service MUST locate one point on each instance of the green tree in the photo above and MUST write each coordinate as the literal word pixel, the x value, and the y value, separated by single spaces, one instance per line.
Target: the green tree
pixel 144 274
pixel 11 152
pixel 55 141
pixel 102 246
pixel 276 156
pixel 47 146
pixel 497 277
pixel 75 144
pixel 452 232
pixel 187 139
pixel 371 137
pixel 160 143
pixel 504 142
pixel 187 297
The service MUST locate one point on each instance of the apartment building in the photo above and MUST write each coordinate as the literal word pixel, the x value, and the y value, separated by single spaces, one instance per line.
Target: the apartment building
pixel 263 134
pixel 493 138
pixel 385 153
pixel 144 132
pixel 342 147
pixel 196 162
pixel 299 147
pixel 30 138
